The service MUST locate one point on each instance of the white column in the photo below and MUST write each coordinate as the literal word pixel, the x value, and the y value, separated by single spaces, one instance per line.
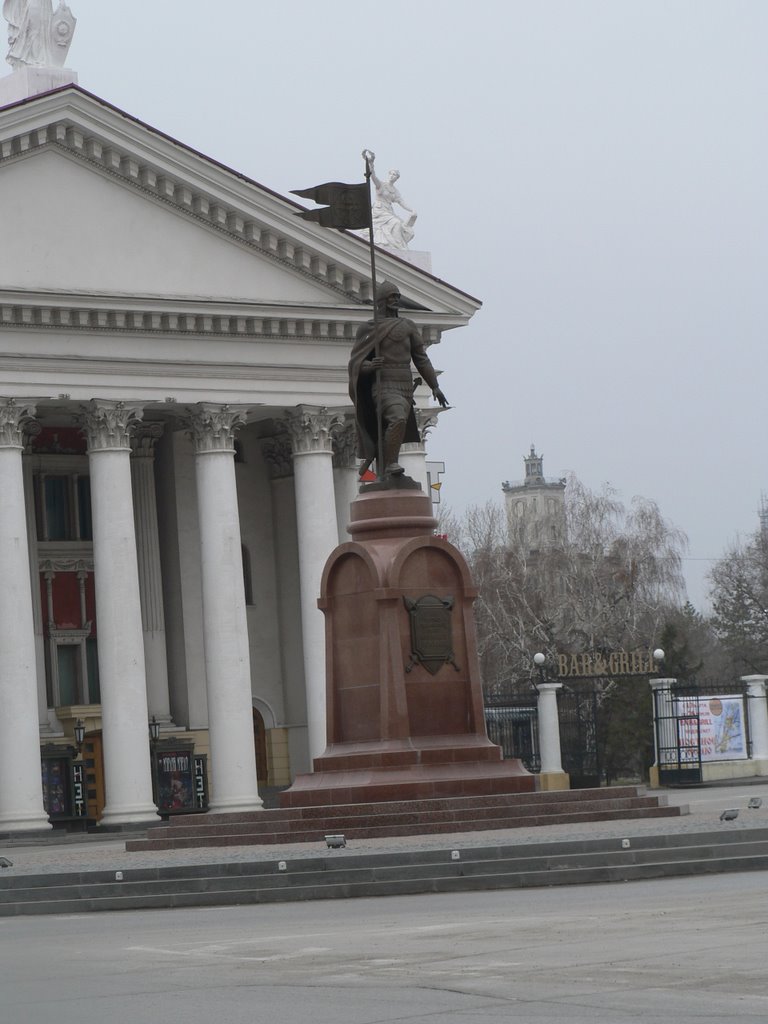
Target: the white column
pixel 310 431
pixel 225 627
pixel 127 773
pixel 346 482
pixel 549 728
pixel 143 441
pixel 31 431
pixel 21 790
pixel 757 709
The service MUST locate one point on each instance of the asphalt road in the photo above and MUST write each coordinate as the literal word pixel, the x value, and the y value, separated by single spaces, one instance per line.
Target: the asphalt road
pixel 690 951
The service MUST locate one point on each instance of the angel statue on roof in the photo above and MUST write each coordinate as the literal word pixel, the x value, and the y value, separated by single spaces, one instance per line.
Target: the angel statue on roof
pixel 38 36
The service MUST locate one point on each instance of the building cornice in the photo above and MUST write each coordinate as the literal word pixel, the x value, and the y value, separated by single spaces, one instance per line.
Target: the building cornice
pixel 177 316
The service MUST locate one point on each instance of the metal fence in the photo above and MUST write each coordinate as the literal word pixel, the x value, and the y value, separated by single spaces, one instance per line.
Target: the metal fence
pixel 513 723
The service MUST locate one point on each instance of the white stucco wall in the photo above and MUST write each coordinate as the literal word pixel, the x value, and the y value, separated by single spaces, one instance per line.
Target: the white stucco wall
pixel 120 242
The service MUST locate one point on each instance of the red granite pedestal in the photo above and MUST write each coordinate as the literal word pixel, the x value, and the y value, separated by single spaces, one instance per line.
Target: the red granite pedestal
pixel 405 716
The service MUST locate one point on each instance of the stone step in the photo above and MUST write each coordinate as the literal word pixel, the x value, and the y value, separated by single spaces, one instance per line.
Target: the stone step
pixel 232 835
pixel 419 810
pixel 424 805
pixel 345 874
pixel 338 818
pixel 403 818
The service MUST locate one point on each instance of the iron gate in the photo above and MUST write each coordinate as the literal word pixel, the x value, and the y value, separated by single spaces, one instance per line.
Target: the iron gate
pixel 678 735
pixel 580 746
pixel 680 745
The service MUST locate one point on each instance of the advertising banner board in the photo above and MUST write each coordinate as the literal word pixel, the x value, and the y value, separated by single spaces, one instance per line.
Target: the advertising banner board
pixel 720 726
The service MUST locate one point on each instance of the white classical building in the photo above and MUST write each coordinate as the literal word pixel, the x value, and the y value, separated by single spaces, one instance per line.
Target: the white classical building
pixel 176 454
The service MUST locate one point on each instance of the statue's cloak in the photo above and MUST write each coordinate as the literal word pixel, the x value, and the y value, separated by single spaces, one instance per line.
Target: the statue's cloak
pixel 370 336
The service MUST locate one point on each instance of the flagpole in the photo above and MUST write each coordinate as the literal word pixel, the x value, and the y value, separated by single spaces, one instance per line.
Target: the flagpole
pixel 368 156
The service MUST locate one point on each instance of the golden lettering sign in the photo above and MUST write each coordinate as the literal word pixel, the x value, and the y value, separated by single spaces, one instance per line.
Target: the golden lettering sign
pixel 593 664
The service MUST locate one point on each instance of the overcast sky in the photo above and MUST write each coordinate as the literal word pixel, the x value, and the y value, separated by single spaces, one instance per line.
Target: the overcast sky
pixel 594 170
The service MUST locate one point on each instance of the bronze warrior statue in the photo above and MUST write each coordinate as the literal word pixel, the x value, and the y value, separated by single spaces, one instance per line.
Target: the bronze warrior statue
pixel 388 345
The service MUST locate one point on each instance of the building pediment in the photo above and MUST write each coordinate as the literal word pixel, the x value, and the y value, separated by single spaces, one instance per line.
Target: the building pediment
pixel 125 210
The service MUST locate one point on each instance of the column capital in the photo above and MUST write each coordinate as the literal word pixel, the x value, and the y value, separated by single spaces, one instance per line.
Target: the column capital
pixel 277 452
pixel 310 429
pixel 426 420
pixel 549 687
pixel 15 414
pixel 108 425
pixel 662 684
pixel 755 684
pixel 144 439
pixel 213 427
pixel 344 440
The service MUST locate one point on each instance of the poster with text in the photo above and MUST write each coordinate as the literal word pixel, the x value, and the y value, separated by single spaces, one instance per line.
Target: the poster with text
pixel 720 726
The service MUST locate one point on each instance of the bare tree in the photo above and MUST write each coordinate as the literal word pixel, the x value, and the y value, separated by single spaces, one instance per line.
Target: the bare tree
pixel 739 593
pixel 609 584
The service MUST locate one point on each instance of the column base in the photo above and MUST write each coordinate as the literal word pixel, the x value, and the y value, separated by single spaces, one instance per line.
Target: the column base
pixel 141 815
pixel 551 781
pixel 235 806
pixel 20 823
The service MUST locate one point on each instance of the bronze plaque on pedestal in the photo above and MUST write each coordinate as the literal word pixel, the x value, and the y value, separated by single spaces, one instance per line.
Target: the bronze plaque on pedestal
pixel 431 635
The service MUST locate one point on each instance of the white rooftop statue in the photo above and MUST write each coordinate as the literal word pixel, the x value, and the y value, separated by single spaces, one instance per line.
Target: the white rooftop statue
pixel 38 36
pixel 390 230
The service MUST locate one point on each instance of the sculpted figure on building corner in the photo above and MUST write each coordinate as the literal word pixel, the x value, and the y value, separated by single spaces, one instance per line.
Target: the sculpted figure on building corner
pixel 389 230
pixel 38 36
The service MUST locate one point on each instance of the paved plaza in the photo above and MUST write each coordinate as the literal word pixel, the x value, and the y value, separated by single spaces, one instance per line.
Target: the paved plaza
pixel 688 950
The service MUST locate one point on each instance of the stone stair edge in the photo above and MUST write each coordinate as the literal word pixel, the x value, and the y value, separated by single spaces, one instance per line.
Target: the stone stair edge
pixel 454 882
pixel 512 862
pixel 646 844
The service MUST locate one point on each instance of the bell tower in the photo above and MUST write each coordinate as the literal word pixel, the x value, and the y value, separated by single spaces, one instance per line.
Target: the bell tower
pixel 535 507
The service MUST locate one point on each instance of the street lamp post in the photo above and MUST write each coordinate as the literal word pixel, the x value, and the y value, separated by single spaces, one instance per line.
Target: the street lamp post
pixel 79 735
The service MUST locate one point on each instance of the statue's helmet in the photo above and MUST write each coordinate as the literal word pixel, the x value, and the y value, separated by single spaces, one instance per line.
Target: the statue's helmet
pixel 385 290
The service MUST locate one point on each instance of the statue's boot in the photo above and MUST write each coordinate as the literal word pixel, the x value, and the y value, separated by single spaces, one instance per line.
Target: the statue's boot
pixel 393 439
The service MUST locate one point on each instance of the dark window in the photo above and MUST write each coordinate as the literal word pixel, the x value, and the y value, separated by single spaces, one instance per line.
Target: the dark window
pixel 247 576
pixel 84 507
pixel 63 508
pixel 57 508
pixel 69 674
pixel 91 657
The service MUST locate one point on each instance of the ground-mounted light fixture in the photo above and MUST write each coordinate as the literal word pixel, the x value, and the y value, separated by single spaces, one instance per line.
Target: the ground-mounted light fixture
pixel 730 815
pixel 755 802
pixel 335 842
